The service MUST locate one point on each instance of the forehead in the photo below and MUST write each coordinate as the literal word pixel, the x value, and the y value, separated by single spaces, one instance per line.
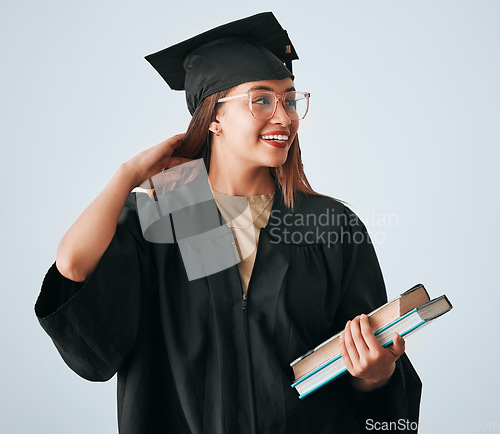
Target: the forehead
pixel 277 86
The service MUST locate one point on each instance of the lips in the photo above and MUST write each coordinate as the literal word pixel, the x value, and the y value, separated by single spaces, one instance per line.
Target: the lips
pixel 278 139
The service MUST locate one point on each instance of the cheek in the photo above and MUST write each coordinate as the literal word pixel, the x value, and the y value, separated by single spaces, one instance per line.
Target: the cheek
pixel 242 124
pixel 254 129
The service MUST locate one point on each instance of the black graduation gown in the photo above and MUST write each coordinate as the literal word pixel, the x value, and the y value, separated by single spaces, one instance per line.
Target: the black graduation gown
pixel 195 357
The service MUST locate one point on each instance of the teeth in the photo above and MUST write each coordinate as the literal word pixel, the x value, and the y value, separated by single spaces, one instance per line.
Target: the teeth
pixel 279 138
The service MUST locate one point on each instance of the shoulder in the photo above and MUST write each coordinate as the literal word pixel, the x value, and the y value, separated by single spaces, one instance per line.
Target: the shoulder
pixel 129 217
pixel 129 211
pixel 339 213
pixel 314 220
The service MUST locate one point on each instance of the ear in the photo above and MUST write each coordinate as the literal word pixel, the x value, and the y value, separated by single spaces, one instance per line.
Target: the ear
pixel 215 127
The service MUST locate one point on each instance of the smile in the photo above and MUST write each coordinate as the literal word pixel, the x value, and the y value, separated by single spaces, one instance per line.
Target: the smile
pixel 275 138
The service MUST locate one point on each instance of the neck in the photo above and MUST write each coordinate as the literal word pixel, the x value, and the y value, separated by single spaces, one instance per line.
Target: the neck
pixel 236 180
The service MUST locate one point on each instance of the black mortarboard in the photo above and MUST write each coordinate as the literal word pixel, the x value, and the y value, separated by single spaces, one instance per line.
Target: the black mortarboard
pixel 250 49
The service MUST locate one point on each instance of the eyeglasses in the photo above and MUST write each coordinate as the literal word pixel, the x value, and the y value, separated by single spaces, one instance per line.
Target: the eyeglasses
pixel 263 103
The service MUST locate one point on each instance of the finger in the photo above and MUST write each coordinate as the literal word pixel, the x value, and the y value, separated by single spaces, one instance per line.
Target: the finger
pixel 345 354
pixel 171 143
pixel 160 180
pixel 358 338
pixel 178 140
pixel 349 344
pixel 398 346
pixel 175 140
pixel 168 147
pixel 368 335
pixel 177 161
pixel 172 166
pixel 184 170
pixel 164 178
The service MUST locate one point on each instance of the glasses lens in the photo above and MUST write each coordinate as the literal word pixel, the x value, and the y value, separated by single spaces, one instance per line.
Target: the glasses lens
pixel 262 104
pixel 296 104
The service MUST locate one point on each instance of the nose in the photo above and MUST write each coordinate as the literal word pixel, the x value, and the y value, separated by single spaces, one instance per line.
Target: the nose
pixel 280 115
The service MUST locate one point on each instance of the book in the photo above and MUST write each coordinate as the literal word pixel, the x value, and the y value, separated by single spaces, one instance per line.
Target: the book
pixel 404 315
pixel 408 300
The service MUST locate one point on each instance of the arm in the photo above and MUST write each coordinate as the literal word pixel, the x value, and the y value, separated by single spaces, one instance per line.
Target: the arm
pixel 386 392
pixel 95 323
pixel 87 239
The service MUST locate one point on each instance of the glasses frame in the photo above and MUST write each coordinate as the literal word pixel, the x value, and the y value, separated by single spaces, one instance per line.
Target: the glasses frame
pixel 276 99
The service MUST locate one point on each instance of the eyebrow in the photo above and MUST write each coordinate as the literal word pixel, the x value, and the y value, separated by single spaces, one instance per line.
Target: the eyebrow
pixel 268 88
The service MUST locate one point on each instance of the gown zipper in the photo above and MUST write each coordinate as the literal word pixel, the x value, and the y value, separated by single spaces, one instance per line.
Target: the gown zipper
pixel 253 426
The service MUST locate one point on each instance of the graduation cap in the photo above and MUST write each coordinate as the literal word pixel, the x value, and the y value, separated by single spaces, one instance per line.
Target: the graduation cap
pixel 250 49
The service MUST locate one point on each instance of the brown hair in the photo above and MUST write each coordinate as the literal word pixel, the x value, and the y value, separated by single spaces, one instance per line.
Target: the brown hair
pixel 197 143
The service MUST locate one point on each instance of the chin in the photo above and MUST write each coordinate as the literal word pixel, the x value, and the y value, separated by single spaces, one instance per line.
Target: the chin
pixel 273 157
pixel 277 161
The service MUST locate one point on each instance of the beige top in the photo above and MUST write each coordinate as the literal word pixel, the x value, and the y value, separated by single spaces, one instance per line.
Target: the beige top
pixel 240 211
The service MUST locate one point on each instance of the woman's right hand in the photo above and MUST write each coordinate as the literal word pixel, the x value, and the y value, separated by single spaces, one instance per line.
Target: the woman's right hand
pixel 153 160
pixel 86 240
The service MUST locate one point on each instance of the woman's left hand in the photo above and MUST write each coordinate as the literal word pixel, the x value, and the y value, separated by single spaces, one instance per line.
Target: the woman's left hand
pixel 370 364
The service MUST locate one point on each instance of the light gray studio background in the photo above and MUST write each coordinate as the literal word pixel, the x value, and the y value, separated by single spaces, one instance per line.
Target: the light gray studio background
pixel 403 125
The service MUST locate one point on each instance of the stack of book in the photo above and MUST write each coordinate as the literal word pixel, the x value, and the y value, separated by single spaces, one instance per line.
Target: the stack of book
pixel 404 315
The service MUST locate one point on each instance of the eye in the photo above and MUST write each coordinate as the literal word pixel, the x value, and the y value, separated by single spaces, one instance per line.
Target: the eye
pixel 291 103
pixel 261 100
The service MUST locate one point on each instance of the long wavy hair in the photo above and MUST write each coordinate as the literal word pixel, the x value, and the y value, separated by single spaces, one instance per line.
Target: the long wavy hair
pixel 197 143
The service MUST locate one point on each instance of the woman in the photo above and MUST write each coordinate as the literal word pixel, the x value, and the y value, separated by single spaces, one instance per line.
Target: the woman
pixel 212 353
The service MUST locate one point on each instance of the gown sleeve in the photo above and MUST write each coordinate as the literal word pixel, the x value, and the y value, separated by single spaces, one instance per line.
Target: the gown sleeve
pixel 94 324
pixel 363 290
